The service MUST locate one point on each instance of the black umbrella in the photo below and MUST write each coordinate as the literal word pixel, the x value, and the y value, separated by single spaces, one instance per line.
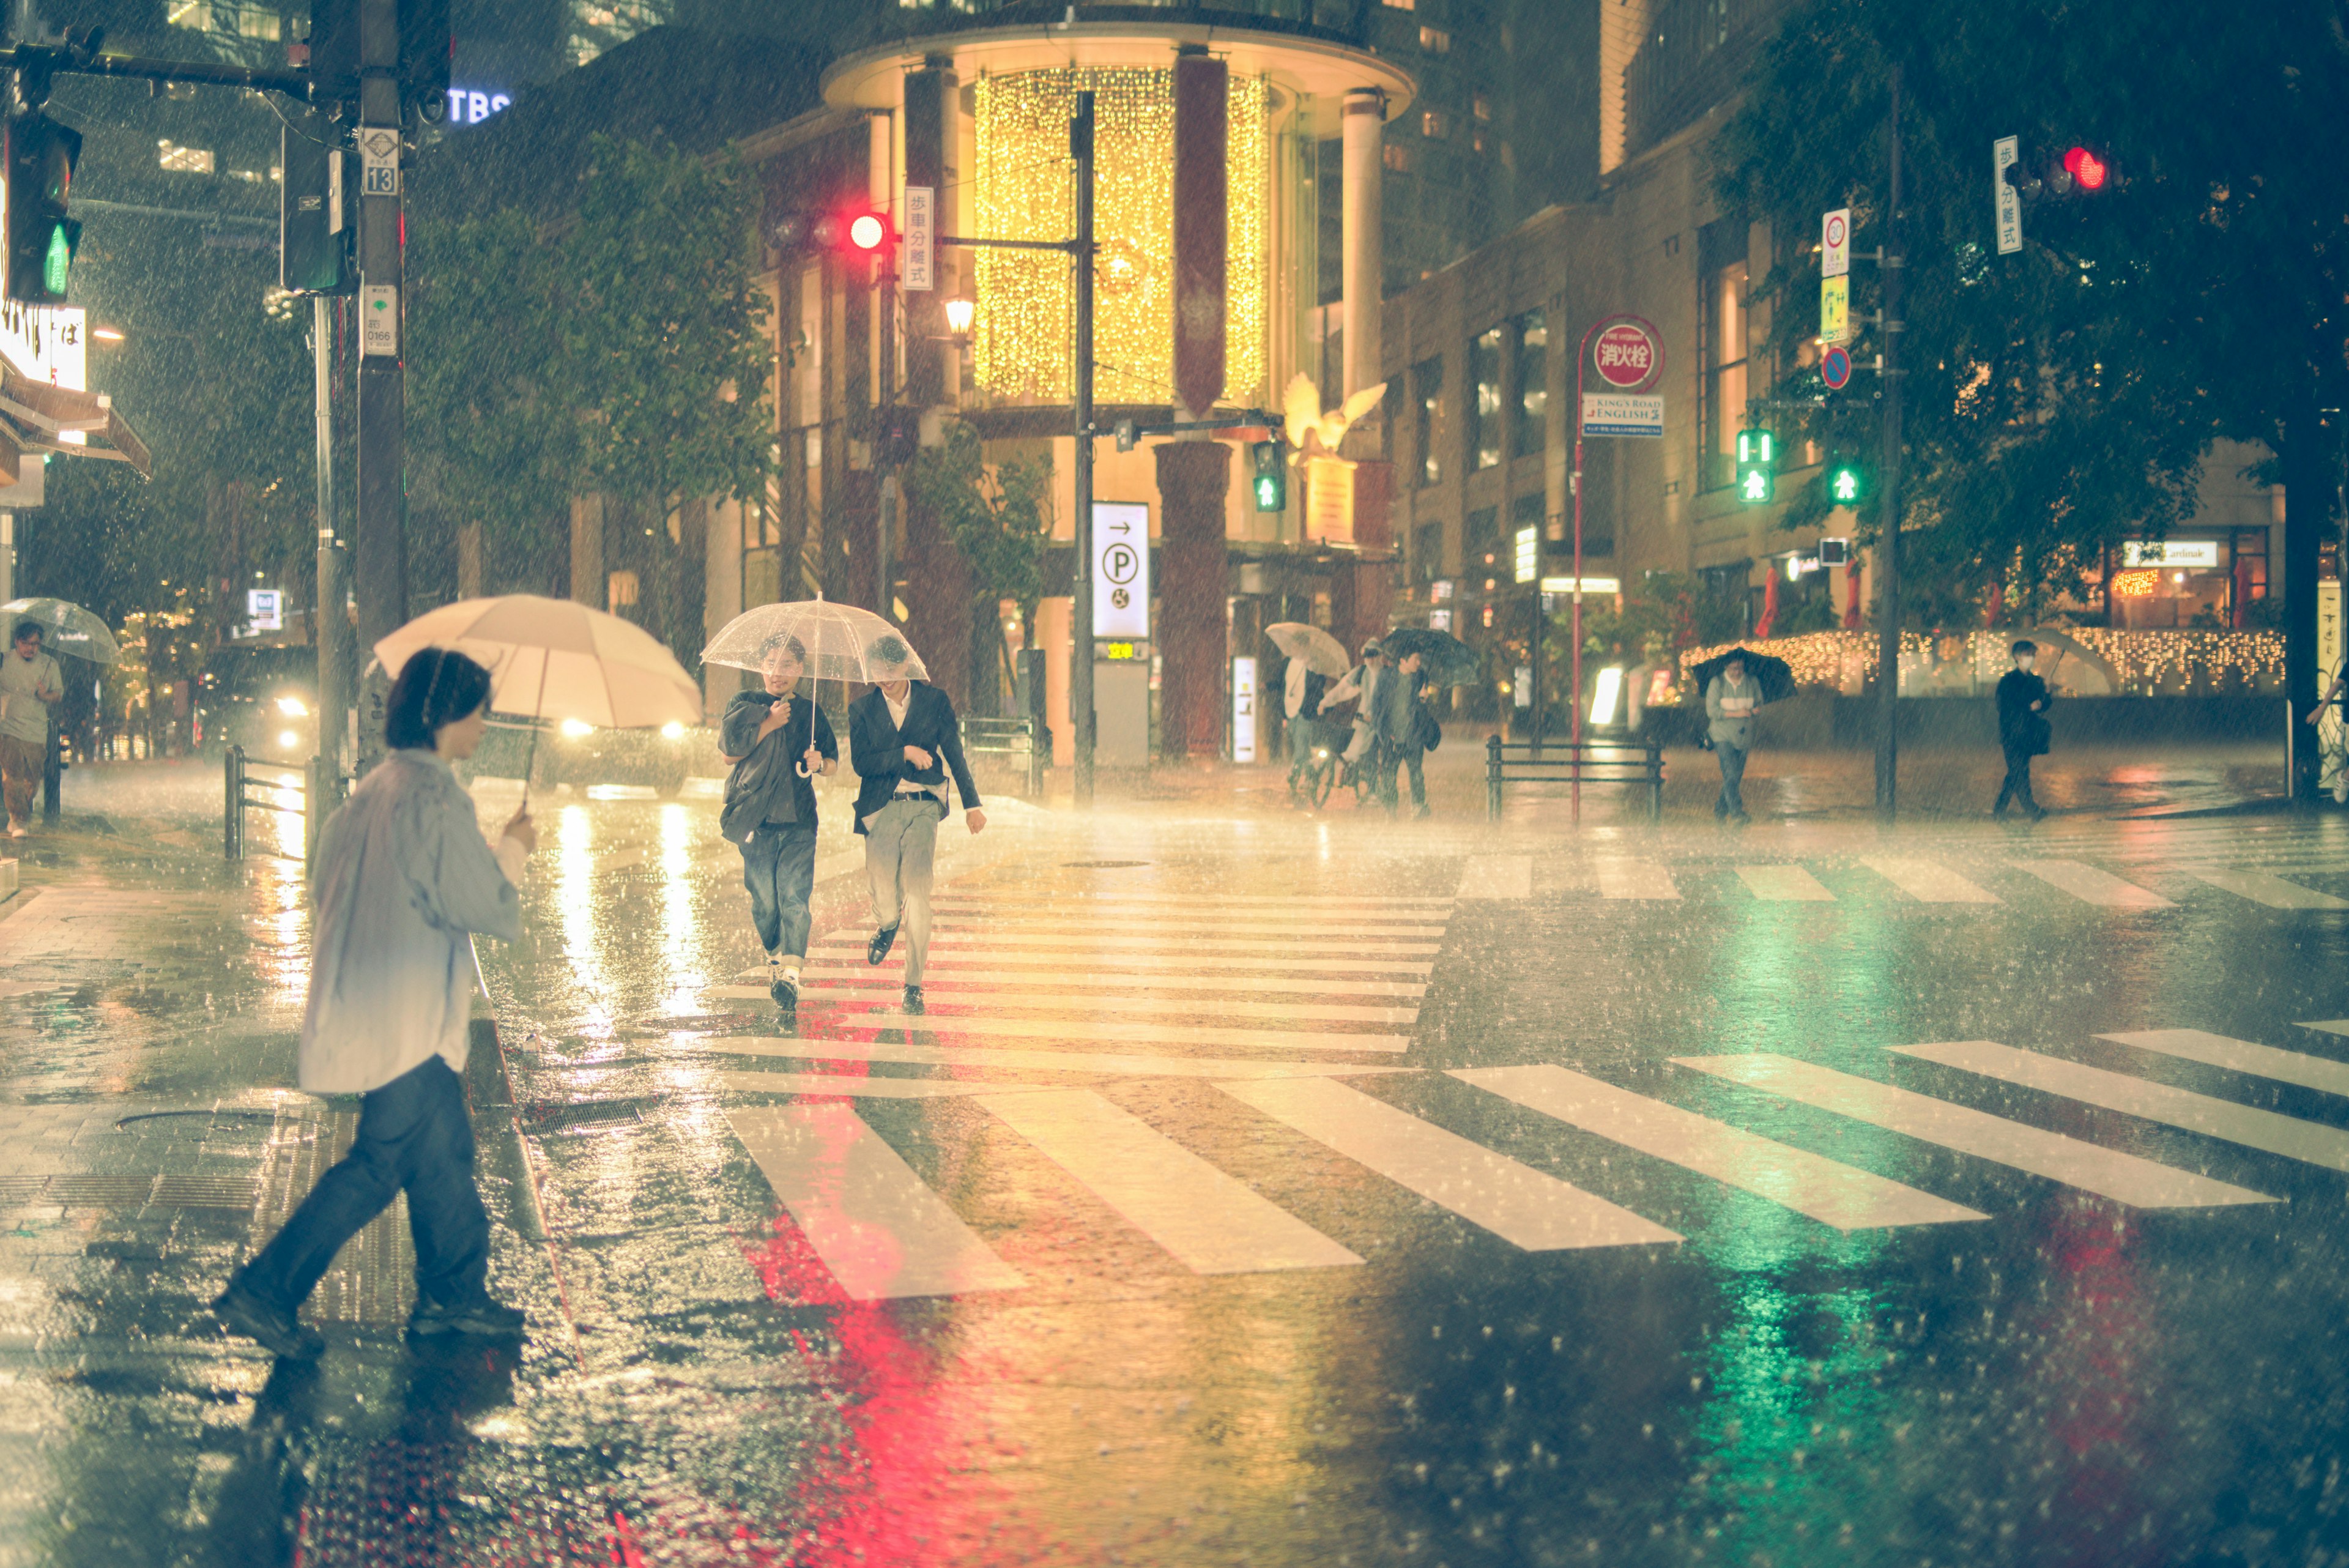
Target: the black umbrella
pixel 1777 680
pixel 1444 658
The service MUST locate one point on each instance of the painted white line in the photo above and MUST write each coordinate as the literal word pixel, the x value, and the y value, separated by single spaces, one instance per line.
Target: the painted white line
pixel 1785 884
pixel 1088 1031
pixel 1517 1203
pixel 1635 879
pixel 1834 1194
pixel 952 1004
pixel 2330 1026
pixel 1497 876
pixel 877 1227
pixel 2245 1124
pixel 973 922
pixel 1434 903
pixel 2243 1056
pixel 1926 881
pixel 946 978
pixel 1073 946
pixel 2091 885
pixel 2074 1163
pixel 1212 1223
pixel 1123 1064
pixel 2264 887
pixel 856 1086
pixel 979 957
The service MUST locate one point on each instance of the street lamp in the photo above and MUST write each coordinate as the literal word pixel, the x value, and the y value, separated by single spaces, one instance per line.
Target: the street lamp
pixel 959 315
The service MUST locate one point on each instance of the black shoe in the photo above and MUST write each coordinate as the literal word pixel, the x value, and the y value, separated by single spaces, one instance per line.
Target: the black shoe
pixel 485 1316
pixel 1998 812
pixel 913 998
pixel 2035 812
pixel 280 1333
pixel 878 947
pixel 1739 819
pixel 786 993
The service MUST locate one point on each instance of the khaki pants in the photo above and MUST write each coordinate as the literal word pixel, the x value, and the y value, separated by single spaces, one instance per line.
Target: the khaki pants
pixel 20 767
pixel 901 841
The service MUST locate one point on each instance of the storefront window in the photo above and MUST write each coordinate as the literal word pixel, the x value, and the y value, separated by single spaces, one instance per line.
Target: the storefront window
pixel 1721 329
pixel 1427 395
pixel 1484 408
pixel 1532 372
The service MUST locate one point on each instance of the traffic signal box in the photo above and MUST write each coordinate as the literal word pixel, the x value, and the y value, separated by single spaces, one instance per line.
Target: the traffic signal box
pixel 1847 481
pixel 313 226
pixel 2076 171
pixel 857 231
pixel 1757 467
pixel 40 238
pixel 1270 458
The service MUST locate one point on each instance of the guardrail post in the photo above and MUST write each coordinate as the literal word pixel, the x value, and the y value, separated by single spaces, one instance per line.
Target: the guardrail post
pixel 1655 780
pixel 1492 778
pixel 232 815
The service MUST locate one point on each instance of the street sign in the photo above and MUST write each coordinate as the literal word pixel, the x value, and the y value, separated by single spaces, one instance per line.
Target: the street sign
pixel 1528 554
pixel 1629 354
pixel 921 236
pixel 1621 414
pixel 1835 243
pixel 2002 155
pixel 1834 310
pixel 378 160
pixel 379 320
pixel 1835 368
pixel 1121 569
pixel 265 608
pixel 1244 710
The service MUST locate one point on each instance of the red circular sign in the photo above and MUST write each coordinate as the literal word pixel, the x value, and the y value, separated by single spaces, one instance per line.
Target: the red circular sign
pixel 1835 231
pixel 1627 354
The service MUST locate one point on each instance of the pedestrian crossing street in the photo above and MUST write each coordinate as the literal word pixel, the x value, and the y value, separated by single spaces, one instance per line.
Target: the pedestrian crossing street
pixel 1298 1040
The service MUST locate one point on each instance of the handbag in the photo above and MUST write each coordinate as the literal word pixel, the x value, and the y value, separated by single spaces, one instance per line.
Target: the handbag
pixel 755 785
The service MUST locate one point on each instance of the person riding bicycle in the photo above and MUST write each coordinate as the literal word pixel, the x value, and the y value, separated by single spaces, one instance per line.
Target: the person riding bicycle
pixel 1301 701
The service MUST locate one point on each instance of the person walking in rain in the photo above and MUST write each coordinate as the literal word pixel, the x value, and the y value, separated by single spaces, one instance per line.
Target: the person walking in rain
pixel 903 741
pixel 1403 725
pixel 403 877
pixel 1730 701
pixel 1301 696
pixel 30 684
pixel 2022 729
pixel 776 743
pixel 1363 685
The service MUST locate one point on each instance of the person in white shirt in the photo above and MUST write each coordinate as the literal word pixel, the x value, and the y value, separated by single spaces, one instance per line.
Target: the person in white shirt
pixel 29 683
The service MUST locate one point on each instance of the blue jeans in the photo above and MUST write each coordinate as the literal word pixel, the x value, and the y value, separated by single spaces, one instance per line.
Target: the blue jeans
pixel 415 1134
pixel 778 869
pixel 1732 775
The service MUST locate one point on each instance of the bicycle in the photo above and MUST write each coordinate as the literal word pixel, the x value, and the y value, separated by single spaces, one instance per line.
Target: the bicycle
pixel 1311 779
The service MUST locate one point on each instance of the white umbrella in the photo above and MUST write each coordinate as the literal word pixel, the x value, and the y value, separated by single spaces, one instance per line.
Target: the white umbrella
pixel 837 643
pixel 69 629
pixel 1322 654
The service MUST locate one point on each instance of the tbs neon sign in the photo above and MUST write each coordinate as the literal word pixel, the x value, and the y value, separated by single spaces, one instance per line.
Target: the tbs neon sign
pixel 467 106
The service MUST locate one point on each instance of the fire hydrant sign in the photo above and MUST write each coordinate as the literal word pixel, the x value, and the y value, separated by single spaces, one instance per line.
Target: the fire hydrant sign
pixel 1627 354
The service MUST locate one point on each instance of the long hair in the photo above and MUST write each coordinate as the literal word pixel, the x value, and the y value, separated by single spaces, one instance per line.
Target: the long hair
pixel 438 686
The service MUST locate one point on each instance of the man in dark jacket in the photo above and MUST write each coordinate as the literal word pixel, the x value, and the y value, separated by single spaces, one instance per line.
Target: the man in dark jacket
pixel 2023 699
pixel 903 741
pixel 776 743
pixel 1403 723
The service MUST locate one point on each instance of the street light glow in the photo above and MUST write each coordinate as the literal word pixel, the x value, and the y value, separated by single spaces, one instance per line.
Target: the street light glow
pixel 959 314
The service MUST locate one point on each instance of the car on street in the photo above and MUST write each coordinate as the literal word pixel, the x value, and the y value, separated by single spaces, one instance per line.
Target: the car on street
pixel 261 697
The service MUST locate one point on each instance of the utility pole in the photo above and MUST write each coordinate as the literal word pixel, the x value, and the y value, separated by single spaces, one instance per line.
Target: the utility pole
pixel 382 549
pixel 1888 550
pixel 327 618
pixel 885 453
pixel 1081 653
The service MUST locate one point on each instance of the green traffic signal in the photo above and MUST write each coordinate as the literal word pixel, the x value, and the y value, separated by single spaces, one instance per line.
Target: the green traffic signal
pixel 57 268
pixel 1846 483
pixel 1757 466
pixel 1271 476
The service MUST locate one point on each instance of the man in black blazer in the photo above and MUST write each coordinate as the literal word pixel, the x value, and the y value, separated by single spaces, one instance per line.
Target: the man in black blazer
pixel 903 741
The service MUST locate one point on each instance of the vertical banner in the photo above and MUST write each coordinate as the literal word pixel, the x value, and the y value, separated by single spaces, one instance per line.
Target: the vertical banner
pixel 2009 209
pixel 1202 224
pixel 1244 710
pixel 1121 570
pixel 921 238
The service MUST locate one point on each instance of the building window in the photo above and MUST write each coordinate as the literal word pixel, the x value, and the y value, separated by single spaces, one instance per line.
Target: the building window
pixel 1435 40
pixel 1432 122
pixel 620 589
pixel 1427 551
pixel 1483 541
pixel 184 160
pixel 1532 370
pixel 1485 407
pixel 1402 4
pixel 1481 106
pixel 1398 157
pixel 1527 511
pixel 1477 141
pixel 1427 394
pixel 1722 343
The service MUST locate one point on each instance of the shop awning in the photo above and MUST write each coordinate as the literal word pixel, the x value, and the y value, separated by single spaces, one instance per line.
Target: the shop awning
pixel 36 418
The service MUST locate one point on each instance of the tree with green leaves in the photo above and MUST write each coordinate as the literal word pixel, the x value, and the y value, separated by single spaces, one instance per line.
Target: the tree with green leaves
pixel 1000 519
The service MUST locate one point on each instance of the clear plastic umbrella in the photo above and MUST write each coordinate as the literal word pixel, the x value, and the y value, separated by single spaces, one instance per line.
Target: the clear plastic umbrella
pixel 1322 654
pixel 837 642
pixel 66 628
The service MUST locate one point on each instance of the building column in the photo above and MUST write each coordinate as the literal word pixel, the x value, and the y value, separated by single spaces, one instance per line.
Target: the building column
pixel 1194 480
pixel 1364 270
pixel 587 585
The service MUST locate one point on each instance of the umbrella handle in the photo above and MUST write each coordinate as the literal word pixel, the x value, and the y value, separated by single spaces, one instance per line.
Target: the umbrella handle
pixel 529 762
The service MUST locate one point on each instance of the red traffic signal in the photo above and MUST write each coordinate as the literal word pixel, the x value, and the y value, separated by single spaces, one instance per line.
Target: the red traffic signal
pixel 857 231
pixel 867 231
pixel 2088 171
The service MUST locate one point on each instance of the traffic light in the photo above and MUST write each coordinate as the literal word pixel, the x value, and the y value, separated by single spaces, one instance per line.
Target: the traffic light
pixel 41 239
pixel 1757 466
pixel 312 228
pixel 1847 481
pixel 2076 171
pixel 1271 475
pixel 857 231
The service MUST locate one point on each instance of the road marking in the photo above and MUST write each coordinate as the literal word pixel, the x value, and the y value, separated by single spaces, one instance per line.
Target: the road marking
pixel 2330 1026
pixel 2075 1163
pixel 979 953
pixel 1926 881
pixel 1013 1059
pixel 944 977
pixel 2242 1056
pixel 1785 884
pixel 974 922
pixel 2246 1125
pixel 1433 903
pixel 1834 1194
pixel 1088 1031
pixel 877 1225
pixel 1212 1223
pixel 1077 945
pixel 1635 879
pixel 858 1087
pixel 1517 1203
pixel 1497 876
pixel 2263 888
pixel 1058 1002
pixel 2091 885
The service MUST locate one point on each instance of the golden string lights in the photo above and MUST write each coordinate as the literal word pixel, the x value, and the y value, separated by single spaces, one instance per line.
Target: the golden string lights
pixel 2139 662
pixel 1021 336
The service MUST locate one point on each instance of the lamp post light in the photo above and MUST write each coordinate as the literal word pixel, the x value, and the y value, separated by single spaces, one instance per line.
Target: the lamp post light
pixel 959 315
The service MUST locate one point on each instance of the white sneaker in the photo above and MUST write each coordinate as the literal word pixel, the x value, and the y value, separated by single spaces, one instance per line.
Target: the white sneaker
pixel 18 830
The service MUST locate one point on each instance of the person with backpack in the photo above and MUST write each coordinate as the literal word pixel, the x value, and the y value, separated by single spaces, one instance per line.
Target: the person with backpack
pixel 776 743
pixel 1302 694
pixel 1407 732
pixel 2022 727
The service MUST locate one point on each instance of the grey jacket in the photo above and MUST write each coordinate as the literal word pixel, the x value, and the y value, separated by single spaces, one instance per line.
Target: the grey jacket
pixel 1728 729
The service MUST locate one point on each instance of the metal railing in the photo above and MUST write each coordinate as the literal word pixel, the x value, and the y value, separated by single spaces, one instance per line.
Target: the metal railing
pixel 1571 763
pixel 1023 737
pixel 239 798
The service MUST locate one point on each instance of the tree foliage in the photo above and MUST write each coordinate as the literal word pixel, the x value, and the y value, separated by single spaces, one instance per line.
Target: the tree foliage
pixel 1000 519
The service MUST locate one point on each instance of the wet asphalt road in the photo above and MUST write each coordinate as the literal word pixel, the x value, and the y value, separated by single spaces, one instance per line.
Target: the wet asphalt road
pixel 1172 1235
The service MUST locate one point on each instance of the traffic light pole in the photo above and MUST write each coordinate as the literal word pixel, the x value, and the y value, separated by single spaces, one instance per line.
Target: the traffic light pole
pixel 1081 653
pixel 328 620
pixel 1895 266
pixel 884 293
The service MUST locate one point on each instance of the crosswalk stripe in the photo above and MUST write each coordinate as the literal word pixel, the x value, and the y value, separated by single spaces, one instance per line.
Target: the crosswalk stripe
pixel 1834 1194
pixel 1088 1031
pixel 2242 1056
pixel 966 953
pixel 1078 944
pixel 980 978
pixel 2330 1026
pixel 1926 881
pixel 858 1086
pixel 1497 876
pixel 991 922
pixel 946 1004
pixel 2263 888
pixel 2246 1125
pixel 2091 885
pixel 1213 1223
pixel 1785 884
pixel 1432 903
pixel 2071 1161
pixel 1517 1203
pixel 1014 1059
pixel 875 1224
pixel 1635 879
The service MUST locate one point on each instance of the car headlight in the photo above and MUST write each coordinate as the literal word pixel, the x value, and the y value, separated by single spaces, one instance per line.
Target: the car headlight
pixel 573 729
pixel 293 707
pixel 672 730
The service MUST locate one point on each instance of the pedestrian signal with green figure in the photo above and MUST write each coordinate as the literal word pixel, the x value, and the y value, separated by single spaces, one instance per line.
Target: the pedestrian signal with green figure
pixel 1757 466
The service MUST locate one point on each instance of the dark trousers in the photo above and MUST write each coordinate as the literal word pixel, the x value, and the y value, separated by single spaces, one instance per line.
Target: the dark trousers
pixel 1732 779
pixel 778 869
pixel 1408 757
pixel 416 1136
pixel 2017 786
